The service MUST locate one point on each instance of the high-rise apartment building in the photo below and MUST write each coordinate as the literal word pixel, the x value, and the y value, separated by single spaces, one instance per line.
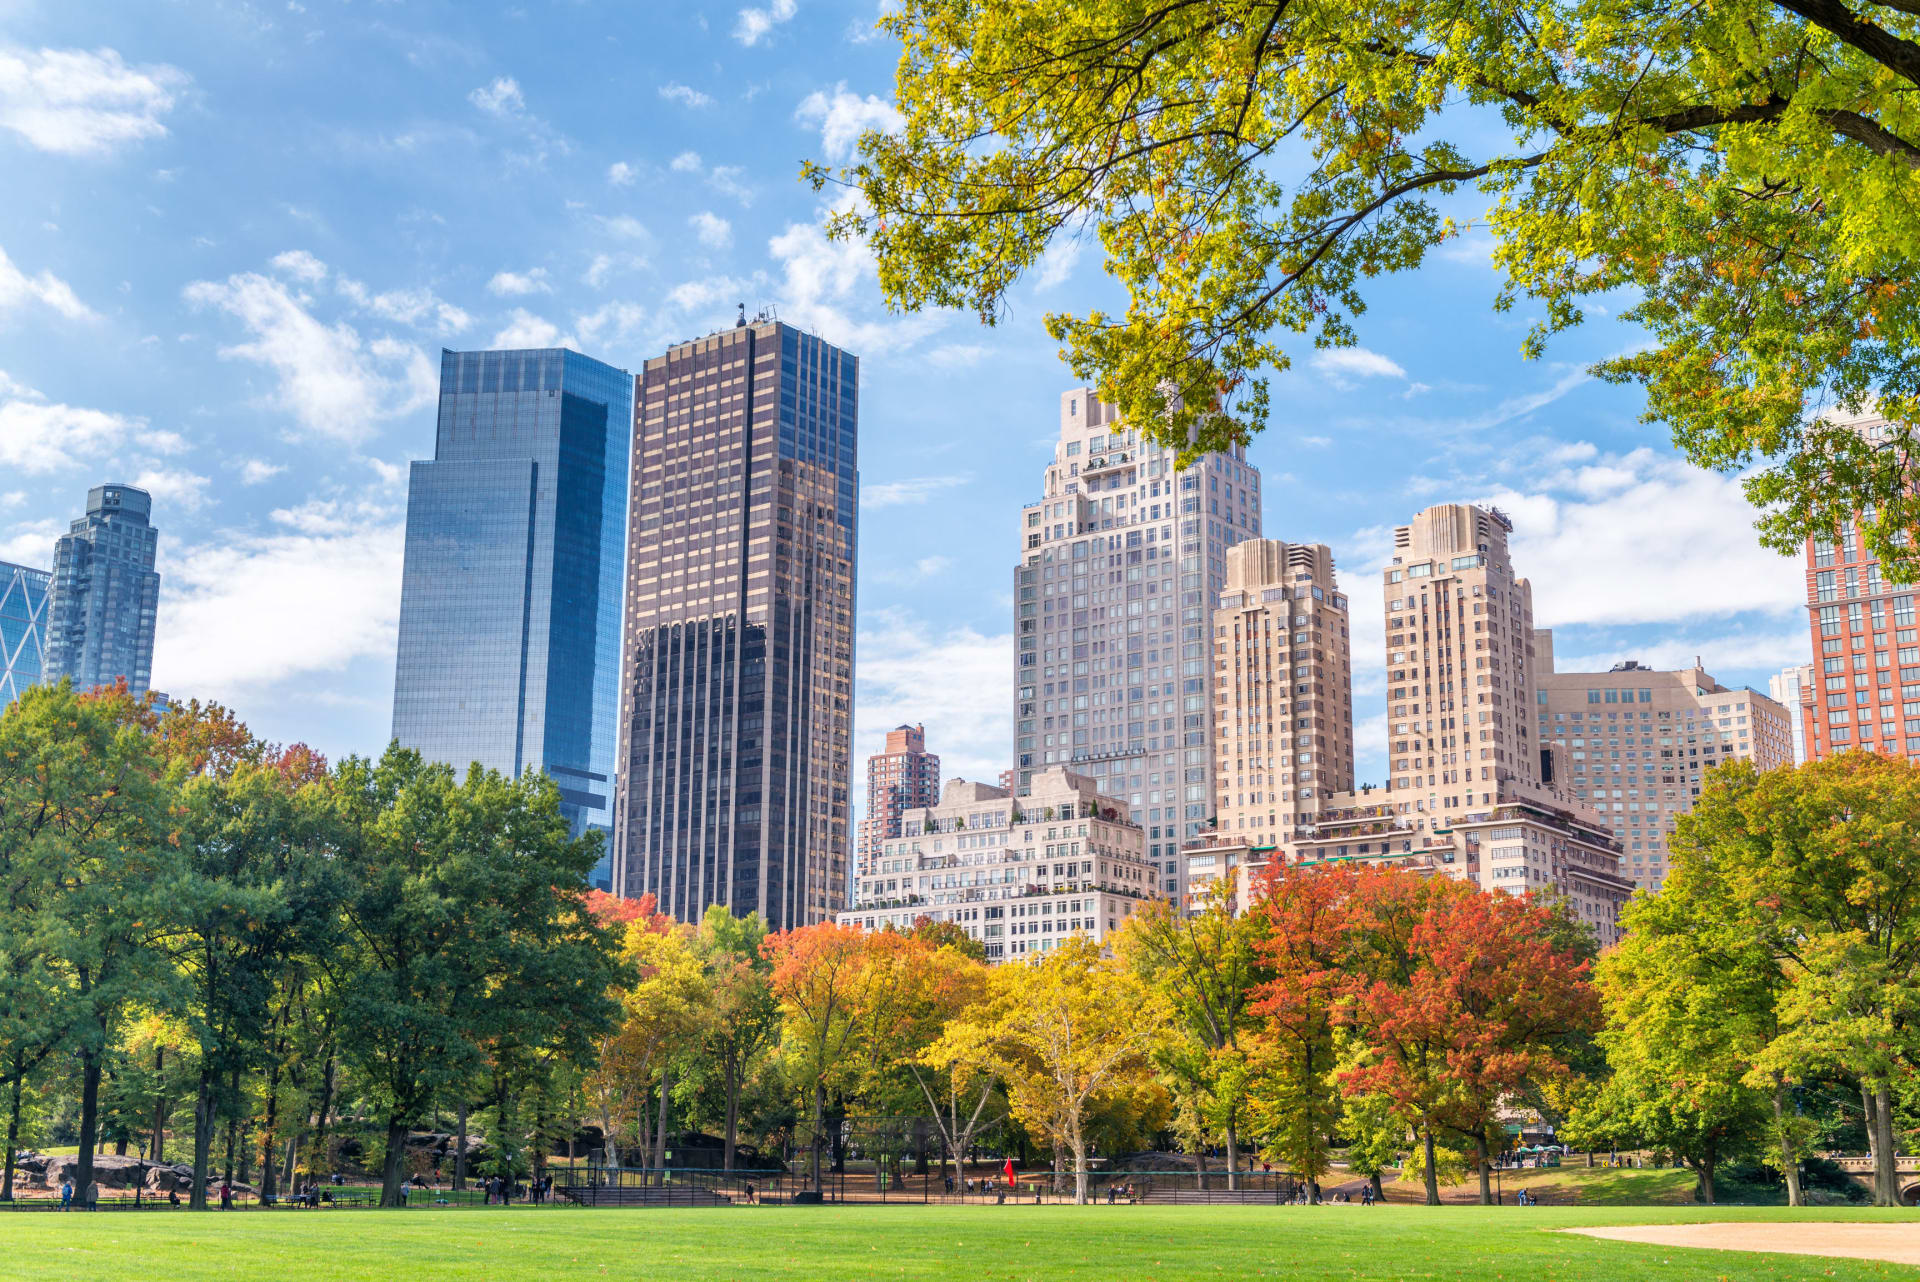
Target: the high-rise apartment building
pixel 737 676
pixel 1473 791
pixel 1019 874
pixel 1283 680
pixel 23 623
pixel 510 593
pixel 902 776
pixel 105 594
pixel 1790 688
pixel 1121 562
pixel 1639 741
pixel 1865 691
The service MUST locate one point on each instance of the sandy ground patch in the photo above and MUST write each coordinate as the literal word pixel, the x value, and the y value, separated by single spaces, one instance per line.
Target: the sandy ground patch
pixel 1895 1243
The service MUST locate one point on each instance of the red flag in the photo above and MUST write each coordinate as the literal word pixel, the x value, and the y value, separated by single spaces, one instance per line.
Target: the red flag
pixel 1009 1170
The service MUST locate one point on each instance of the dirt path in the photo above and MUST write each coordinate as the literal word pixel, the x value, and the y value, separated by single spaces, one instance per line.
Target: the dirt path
pixel 1895 1243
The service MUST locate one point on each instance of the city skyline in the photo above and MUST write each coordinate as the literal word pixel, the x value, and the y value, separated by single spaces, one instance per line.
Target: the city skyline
pixel 274 319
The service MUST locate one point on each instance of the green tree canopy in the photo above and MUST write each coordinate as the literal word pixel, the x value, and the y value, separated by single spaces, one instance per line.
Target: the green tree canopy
pixel 1745 172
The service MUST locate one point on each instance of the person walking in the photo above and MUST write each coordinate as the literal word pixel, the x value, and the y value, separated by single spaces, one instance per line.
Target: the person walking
pixel 226 1196
pixel 66 1193
pixel 93 1195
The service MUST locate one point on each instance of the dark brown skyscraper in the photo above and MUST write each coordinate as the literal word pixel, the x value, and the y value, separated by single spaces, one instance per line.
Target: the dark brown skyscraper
pixel 737 672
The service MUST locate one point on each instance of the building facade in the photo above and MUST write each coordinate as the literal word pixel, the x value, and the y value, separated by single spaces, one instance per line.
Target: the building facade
pixel 902 776
pixel 1121 562
pixel 510 592
pixel 1639 741
pixel 1019 874
pixel 1866 652
pixel 105 594
pixel 1790 687
pixel 23 624
pixel 1283 690
pixel 737 673
pixel 1486 798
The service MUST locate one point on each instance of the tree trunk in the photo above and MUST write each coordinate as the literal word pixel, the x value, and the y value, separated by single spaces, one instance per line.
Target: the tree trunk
pixel 1200 1165
pixel 320 1122
pixel 1059 1170
pixel 1233 1153
pixel 233 1123
pixel 460 1148
pixel 1486 1169
pixel 268 1134
pixel 13 1125
pixel 819 1121
pixel 1704 1171
pixel 89 1121
pixel 1887 1168
pixel 1789 1157
pixel 395 1158
pixel 1379 1193
pixel 1433 1174
pixel 660 1130
pixel 202 1140
pixel 293 1154
pixel 733 1116
pixel 159 1104
pixel 1080 1175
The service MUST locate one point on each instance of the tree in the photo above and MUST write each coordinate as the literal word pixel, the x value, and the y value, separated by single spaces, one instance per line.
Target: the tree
pixel 1460 996
pixel 835 985
pixel 1305 948
pixel 107 851
pixel 959 1084
pixel 1738 169
pixel 1067 1032
pixel 456 889
pixel 1209 966
pixel 1813 865
pixel 664 1008
pixel 744 1017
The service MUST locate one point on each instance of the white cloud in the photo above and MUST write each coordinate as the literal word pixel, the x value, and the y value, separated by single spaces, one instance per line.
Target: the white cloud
pixel 957 355
pixel 525 330
pixel 174 487
pixel 38 437
pixel 909 490
pixel 1722 652
pixel 842 117
pixel 687 162
pixel 958 682
pixel 1056 265
pixel 685 95
pixel 730 180
pixel 621 174
pixel 817 288
pixel 711 230
pixel 1313 442
pixel 31 543
pixel 502 98
pixel 754 25
pixel 17 289
pixel 300 265
pixel 77 102
pixel 612 322
pixel 627 227
pixel 247 611
pixel 418 306
pixel 332 383
pixel 255 470
pixel 603 267
pixel 519 284
pixel 1342 363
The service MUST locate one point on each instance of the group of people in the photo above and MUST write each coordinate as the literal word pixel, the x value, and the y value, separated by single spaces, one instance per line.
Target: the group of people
pixel 498 1190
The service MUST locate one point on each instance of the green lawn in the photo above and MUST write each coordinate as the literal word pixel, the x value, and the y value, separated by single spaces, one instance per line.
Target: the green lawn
pixel 984 1243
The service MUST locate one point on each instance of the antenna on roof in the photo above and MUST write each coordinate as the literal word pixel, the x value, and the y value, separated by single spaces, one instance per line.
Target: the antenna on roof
pixel 742 322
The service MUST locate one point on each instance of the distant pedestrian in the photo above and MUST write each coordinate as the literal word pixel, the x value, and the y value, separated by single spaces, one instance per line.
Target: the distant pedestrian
pixel 93 1195
pixel 226 1196
pixel 66 1193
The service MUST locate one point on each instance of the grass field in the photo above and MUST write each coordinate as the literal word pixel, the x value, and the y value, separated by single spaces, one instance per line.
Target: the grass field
pixel 991 1244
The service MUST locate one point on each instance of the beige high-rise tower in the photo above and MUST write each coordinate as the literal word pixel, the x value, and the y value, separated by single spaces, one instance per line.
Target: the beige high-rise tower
pixel 1283 676
pixel 1459 662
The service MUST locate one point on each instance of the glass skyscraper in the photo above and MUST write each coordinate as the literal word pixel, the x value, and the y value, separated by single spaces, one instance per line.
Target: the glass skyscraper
pixel 737 679
pixel 23 623
pixel 105 593
pixel 1121 565
pixel 510 596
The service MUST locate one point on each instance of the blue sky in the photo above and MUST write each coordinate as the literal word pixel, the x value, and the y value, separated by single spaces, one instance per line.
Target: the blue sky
pixel 236 236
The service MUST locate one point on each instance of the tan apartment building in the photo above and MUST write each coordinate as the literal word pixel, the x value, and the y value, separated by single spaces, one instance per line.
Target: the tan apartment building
pixel 1283 690
pixel 902 776
pixel 1019 874
pixel 1638 742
